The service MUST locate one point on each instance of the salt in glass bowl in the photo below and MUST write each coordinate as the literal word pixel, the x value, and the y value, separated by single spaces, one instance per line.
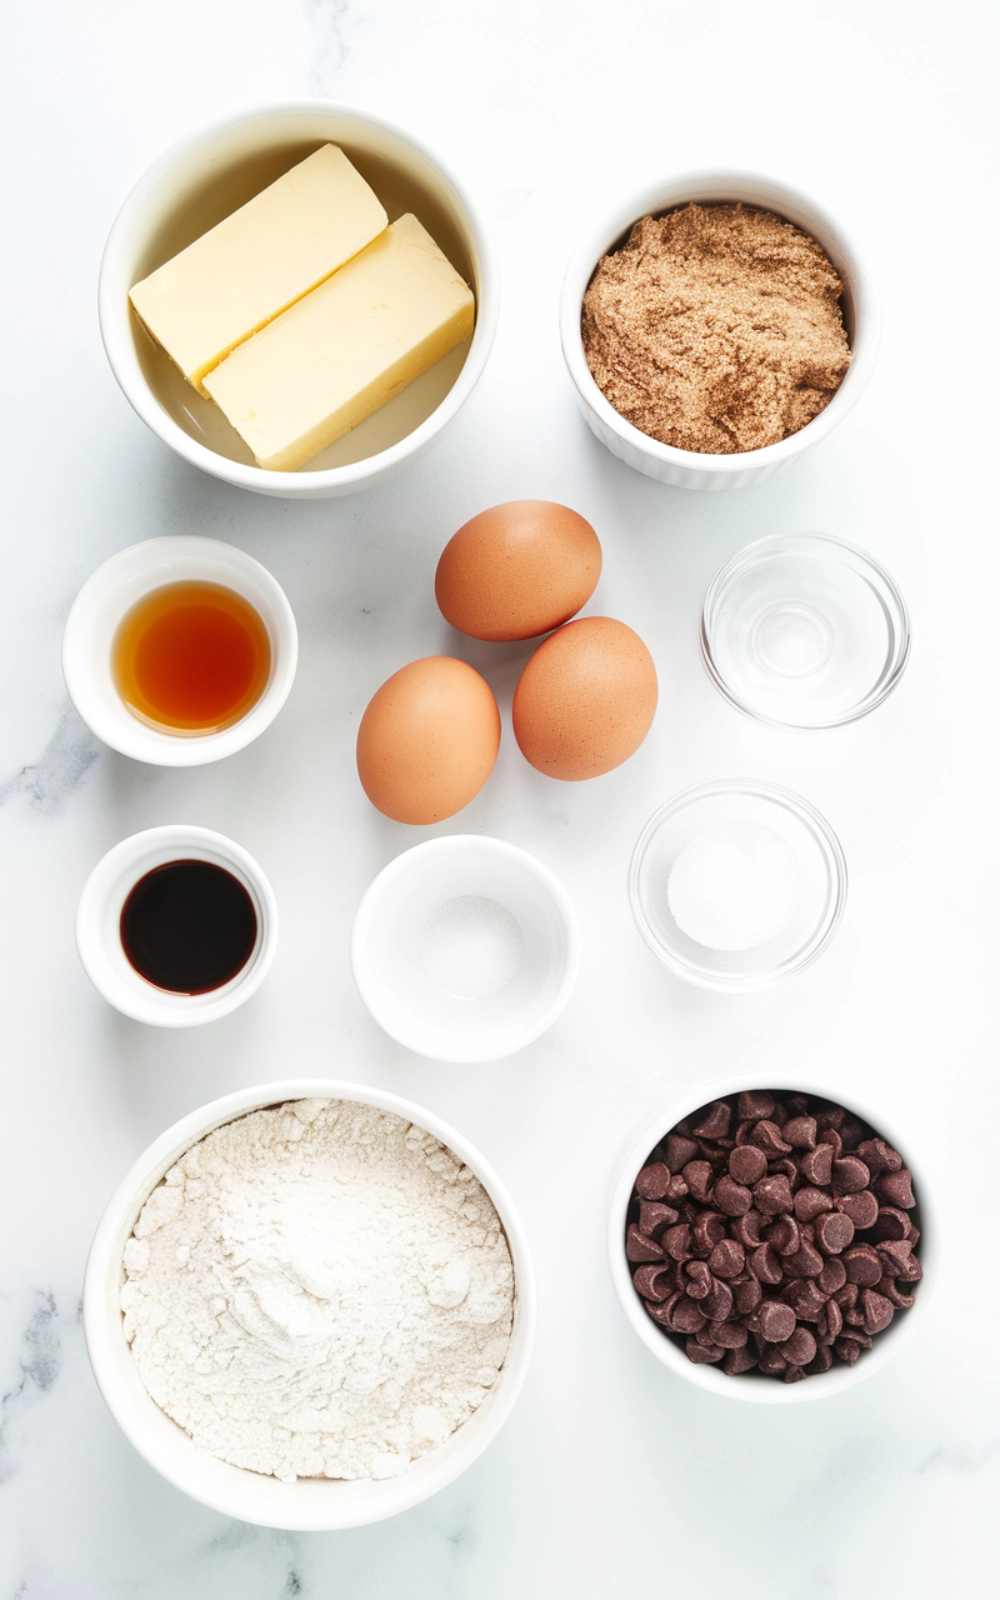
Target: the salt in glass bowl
pixel 755 1387
pixel 308 1504
pixel 731 801
pixel 803 630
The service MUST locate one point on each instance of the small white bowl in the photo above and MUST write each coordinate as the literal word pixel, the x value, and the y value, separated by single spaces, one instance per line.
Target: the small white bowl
pixel 206 177
pixel 749 1386
pixel 114 589
pixel 310 1504
pixel 687 469
pixel 98 926
pixel 389 969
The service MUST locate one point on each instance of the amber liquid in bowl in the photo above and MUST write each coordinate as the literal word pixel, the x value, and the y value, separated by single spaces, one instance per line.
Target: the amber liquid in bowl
pixel 191 658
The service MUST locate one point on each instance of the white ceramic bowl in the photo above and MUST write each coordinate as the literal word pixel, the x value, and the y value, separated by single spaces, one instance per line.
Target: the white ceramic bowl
pixel 208 175
pixel 114 589
pixel 686 469
pixel 98 922
pixel 749 1386
pixel 309 1503
pixel 394 982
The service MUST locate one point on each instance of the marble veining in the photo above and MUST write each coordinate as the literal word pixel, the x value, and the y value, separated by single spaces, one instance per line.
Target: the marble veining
pixel 48 783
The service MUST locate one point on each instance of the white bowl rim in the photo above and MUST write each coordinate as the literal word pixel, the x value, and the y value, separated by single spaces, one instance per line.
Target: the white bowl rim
pixel 154 1009
pixel 449 844
pixel 794 802
pixel 116 334
pixel 143 743
pixel 143 1176
pixel 655 198
pixel 641 1140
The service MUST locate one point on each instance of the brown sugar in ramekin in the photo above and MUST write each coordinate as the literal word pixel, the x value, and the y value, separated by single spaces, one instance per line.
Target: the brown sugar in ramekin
pixel 716 329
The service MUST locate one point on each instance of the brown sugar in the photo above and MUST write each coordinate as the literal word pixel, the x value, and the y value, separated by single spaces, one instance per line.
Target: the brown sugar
pixel 716 328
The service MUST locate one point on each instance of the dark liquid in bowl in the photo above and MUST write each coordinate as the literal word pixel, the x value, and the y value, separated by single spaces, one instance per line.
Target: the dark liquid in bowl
pixel 191 658
pixel 188 927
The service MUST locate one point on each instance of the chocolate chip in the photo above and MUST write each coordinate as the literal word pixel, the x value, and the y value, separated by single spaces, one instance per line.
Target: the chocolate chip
pixel 772 1196
pixel 912 1272
pixel 848 1350
pixel 772 1362
pixel 767 1137
pixel 688 1317
pixel 861 1208
pixel 653 1283
pixel 727 1259
pixel 747 1164
pixel 833 1276
pixel 703 1352
pixel 805 1263
pixel 677 1242
pixel 747 1230
pixel 862 1265
pixel 776 1321
pixel 707 1231
pixel 676 1189
pixel 894 1293
pixel 785 1166
pixel 799 1350
pixel 700 1279
pixel 732 1197
pixel 879 1311
pixel 834 1232
pixel 718 1303
pixel 716 1124
pixel 822 1362
pixel 680 1151
pixel 698 1177
pixel 653 1218
pixel 661 1312
pixel 737 1361
pixel 831 1137
pixel 652 1181
pixel 747 1295
pixel 800 1132
pixel 895 1188
pixel 765 1264
pixel 830 1322
pixel 809 1202
pixel 830 1117
pixel 868 1151
pixel 784 1235
pixel 754 1104
pixel 894 1255
pixel 850 1175
pixel 639 1248
pixel 890 1223
pixel 816 1166
pixel 805 1298
pixel 848 1295
pixel 731 1335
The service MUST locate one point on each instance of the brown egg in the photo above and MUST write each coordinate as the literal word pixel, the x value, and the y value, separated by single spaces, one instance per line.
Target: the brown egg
pixel 585 701
pixel 428 740
pixel 518 570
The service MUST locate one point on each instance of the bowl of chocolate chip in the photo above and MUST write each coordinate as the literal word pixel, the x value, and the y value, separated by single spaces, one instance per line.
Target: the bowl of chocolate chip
pixel 769 1244
pixel 717 326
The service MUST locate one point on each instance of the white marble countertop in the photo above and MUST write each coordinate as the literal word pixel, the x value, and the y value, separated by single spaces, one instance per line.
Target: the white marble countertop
pixel 611 1476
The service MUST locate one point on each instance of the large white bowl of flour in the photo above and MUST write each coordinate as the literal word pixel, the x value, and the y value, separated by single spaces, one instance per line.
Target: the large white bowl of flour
pixel 310 1304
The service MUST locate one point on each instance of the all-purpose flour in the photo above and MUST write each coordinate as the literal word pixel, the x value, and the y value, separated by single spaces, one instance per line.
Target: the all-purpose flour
pixel 318 1289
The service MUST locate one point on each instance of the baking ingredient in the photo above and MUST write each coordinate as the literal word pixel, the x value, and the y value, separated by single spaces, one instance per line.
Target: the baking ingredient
pixel 318 1289
pixel 771 1231
pixel 255 263
pixel 188 926
pixel 191 658
pixel 586 699
pixel 734 886
pixel 518 570
pixel 428 740
pixel 345 349
pixel 716 328
pixel 471 947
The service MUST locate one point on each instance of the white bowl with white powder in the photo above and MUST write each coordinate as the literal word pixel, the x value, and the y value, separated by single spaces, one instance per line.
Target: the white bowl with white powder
pixel 465 948
pixel 329 1291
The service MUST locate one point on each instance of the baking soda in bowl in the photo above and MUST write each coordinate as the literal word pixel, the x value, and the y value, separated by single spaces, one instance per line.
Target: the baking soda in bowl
pixel 319 1289
pixel 472 947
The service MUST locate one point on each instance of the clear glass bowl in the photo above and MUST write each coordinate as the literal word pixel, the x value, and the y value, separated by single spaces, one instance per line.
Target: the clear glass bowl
pixel 815 846
pixel 804 631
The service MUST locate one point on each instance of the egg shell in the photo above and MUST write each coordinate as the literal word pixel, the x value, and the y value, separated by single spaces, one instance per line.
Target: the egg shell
pixel 585 700
pixel 518 570
pixel 428 740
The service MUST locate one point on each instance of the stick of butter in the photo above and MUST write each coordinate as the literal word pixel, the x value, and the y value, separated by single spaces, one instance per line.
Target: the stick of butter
pixel 253 265
pixel 345 349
